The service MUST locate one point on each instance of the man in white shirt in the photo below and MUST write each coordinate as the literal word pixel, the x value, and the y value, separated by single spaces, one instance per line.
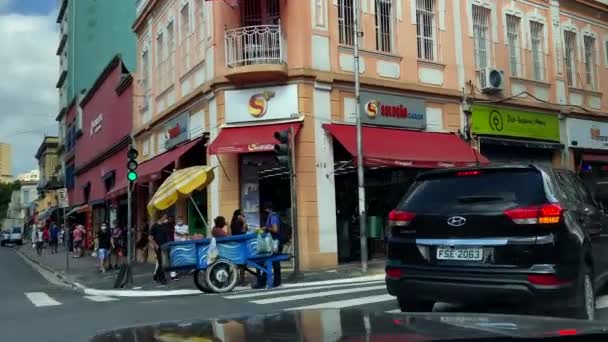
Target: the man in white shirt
pixel 181 234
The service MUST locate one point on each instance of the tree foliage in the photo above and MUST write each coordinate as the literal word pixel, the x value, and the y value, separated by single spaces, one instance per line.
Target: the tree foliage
pixel 6 190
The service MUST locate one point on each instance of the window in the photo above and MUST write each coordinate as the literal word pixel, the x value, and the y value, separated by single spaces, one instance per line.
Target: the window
pixel 161 142
pixel 606 51
pixel 481 36
pixel 589 46
pixel 145 72
pixel 538 52
pixel 170 52
pixel 426 29
pixel 160 58
pixel 569 57
pixel 514 43
pixel 185 31
pixel 184 19
pixel 346 28
pixel 384 25
pixel 196 124
pixel 146 147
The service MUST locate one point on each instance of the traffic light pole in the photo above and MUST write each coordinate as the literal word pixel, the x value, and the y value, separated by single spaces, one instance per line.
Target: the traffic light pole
pixel 294 202
pixel 129 236
pixel 360 171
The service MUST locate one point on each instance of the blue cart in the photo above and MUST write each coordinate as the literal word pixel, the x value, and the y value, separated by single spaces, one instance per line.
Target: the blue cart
pixel 221 275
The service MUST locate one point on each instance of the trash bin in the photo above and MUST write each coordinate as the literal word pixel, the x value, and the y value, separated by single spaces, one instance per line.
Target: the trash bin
pixel 375 227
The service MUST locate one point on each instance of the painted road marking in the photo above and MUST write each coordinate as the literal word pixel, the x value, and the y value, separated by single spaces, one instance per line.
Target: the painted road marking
pixel 338 281
pixel 601 302
pixel 41 299
pixel 339 304
pixel 303 289
pixel 318 294
pixel 393 311
pixel 100 298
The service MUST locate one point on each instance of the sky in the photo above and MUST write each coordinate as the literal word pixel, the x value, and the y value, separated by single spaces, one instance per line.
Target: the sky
pixel 29 70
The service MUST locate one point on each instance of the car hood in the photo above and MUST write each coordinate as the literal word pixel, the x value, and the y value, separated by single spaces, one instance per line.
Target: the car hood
pixel 354 325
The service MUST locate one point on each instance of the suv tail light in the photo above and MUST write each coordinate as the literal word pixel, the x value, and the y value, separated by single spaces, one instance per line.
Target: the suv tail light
pixel 538 214
pixel 545 279
pixel 400 218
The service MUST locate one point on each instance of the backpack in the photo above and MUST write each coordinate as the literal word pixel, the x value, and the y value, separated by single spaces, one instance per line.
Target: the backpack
pixel 285 230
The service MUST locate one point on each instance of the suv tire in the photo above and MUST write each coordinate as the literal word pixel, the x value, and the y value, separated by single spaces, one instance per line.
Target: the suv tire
pixel 585 306
pixel 408 305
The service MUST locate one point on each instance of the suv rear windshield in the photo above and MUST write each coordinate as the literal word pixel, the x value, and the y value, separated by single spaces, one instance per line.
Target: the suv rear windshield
pixel 523 187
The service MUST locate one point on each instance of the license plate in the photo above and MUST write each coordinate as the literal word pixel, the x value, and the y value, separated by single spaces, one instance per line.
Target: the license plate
pixel 460 254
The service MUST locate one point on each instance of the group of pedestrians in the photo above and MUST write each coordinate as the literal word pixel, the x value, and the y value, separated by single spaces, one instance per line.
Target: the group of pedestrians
pixel 110 246
pixel 50 235
pixel 165 230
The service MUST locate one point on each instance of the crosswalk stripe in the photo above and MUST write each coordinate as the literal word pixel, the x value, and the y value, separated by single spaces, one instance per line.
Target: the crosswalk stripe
pixel 100 298
pixel 339 304
pixel 41 299
pixel 317 294
pixel 355 280
pixel 393 311
pixel 300 289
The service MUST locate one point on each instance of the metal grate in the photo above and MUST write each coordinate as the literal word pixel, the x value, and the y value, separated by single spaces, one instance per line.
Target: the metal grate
pixel 251 14
pixel 481 36
pixel 569 57
pixel 538 51
pixel 514 43
pixel 260 44
pixel 426 30
pixel 384 27
pixel 589 46
pixel 346 18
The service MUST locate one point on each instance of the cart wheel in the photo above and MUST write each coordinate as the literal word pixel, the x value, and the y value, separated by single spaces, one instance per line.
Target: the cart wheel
pixel 221 276
pixel 200 281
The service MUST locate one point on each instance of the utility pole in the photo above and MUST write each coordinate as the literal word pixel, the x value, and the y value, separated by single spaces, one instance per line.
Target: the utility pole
pixel 360 171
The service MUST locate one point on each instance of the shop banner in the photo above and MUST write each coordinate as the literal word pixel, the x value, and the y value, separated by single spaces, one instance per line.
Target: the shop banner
pixel 262 104
pixel 587 134
pixel 390 110
pixel 491 120
pixel 176 130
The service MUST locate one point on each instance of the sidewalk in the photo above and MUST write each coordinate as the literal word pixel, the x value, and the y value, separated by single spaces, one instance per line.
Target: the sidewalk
pixel 84 276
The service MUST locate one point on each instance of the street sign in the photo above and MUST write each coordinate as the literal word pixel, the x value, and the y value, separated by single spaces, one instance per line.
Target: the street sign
pixel 62 198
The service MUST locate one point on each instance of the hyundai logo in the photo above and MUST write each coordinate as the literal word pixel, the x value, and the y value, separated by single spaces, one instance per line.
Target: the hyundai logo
pixel 457 221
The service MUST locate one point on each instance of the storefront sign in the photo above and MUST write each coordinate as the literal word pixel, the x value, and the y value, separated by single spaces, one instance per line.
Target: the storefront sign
pixel 490 120
pixel 96 124
pixel 391 110
pixel 587 133
pixel 176 130
pixel 270 103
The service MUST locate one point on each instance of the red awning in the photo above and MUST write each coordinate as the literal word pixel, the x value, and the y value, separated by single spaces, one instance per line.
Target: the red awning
pixel 155 165
pixel 247 139
pixel 399 147
pixel 595 157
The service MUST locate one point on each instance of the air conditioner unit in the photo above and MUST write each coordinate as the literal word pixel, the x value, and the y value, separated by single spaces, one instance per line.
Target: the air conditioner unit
pixel 491 80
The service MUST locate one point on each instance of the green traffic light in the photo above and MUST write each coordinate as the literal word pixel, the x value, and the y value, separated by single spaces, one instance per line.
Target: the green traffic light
pixel 132 176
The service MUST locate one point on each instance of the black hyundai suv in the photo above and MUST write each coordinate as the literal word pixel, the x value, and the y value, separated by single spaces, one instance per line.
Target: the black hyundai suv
pixel 509 234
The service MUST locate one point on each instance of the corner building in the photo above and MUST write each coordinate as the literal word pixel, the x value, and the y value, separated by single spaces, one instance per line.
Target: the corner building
pixel 216 79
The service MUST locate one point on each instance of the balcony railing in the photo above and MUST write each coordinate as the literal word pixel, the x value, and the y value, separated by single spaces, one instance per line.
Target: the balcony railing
pixel 252 45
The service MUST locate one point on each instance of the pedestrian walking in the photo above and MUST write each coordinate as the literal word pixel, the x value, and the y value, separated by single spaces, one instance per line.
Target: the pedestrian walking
pixel 273 226
pixel 180 233
pixel 118 247
pixel 238 226
pixel 39 241
pixel 143 242
pixel 78 236
pixel 159 235
pixel 54 242
pixel 103 244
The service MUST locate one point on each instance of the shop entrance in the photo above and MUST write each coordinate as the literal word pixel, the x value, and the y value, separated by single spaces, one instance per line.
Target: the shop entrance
pixel 263 180
pixel 384 188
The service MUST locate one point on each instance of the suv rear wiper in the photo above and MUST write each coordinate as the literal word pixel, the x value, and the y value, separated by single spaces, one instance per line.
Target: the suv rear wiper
pixel 473 199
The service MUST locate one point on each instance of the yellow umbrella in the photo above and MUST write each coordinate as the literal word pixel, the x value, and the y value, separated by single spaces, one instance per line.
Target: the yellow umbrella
pixel 181 183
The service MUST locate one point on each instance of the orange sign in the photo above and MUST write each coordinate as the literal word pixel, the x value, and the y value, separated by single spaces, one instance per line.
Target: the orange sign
pixel 258 103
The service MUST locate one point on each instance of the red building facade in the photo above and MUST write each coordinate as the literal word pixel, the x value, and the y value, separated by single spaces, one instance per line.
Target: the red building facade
pixel 100 152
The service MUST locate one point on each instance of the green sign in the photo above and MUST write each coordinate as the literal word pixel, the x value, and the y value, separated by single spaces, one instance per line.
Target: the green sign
pixel 490 120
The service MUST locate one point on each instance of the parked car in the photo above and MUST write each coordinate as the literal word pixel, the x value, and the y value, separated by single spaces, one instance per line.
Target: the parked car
pixel 516 234
pixel 14 236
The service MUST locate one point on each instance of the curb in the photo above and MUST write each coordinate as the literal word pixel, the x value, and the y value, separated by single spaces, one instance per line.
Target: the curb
pixel 60 277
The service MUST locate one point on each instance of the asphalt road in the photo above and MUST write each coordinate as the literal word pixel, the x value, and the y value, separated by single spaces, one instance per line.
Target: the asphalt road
pixel 34 309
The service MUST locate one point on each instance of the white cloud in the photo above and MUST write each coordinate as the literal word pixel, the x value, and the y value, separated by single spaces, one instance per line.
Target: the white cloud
pixel 28 74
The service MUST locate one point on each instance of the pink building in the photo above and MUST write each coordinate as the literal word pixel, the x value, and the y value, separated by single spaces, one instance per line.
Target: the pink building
pixel 516 80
